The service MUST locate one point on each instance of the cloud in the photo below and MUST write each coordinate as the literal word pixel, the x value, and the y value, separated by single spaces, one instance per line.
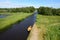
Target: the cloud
pixel 8 4
pixel 21 3
pixel 5 3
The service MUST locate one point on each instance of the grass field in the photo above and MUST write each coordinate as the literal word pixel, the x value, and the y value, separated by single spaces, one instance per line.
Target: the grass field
pixel 11 19
pixel 49 26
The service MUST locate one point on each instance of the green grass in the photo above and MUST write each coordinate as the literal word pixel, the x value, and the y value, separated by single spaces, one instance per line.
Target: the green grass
pixel 50 26
pixel 11 19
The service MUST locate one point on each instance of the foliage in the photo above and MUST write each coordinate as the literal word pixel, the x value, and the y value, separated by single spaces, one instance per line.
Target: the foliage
pixel 50 27
pixel 49 11
pixel 41 10
pixel 23 9
pixel 11 19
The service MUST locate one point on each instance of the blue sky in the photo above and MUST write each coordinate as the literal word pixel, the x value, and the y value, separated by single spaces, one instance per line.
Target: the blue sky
pixel 24 3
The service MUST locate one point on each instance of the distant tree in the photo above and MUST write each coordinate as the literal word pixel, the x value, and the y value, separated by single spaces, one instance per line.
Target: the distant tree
pixel 54 11
pixel 45 10
pixel 23 9
pixel 41 10
pixel 58 12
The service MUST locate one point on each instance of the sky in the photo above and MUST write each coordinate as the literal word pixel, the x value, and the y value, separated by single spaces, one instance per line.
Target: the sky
pixel 27 3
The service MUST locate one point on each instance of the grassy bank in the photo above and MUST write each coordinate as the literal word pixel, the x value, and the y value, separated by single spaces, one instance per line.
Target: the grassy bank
pixel 49 26
pixel 11 19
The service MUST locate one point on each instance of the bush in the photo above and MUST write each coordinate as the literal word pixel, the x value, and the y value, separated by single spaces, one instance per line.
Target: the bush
pixel 48 11
pixel 23 9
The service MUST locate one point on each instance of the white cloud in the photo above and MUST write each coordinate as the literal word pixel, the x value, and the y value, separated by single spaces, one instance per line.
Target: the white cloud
pixel 8 4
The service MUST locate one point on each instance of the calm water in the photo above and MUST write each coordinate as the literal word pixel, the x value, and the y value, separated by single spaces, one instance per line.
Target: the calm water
pixel 19 30
pixel 3 15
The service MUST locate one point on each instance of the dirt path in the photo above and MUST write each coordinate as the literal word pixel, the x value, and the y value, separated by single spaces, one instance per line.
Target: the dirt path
pixel 34 33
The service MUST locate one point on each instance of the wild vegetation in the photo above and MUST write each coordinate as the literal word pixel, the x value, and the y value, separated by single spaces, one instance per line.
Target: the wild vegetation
pixel 15 10
pixel 48 20
pixel 49 27
pixel 49 11
pixel 12 19
pixel 41 10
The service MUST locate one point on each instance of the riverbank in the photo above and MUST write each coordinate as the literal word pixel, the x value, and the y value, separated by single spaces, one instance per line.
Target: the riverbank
pixel 34 33
pixel 12 19
pixel 48 28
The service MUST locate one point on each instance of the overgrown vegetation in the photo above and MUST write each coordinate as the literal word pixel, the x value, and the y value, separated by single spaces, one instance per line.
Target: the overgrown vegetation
pixel 50 26
pixel 49 11
pixel 15 10
pixel 48 20
pixel 41 10
pixel 14 17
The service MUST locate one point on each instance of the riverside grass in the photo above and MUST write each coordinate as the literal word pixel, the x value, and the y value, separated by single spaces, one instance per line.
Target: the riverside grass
pixel 50 26
pixel 11 19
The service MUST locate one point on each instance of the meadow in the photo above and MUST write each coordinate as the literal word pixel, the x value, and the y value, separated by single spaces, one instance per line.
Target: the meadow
pixel 12 18
pixel 49 27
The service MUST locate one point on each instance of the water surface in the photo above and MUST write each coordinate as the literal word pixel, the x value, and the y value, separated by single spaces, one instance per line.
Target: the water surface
pixel 19 30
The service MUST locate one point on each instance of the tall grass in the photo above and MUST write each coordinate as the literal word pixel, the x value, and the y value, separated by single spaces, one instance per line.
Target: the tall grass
pixel 14 17
pixel 50 26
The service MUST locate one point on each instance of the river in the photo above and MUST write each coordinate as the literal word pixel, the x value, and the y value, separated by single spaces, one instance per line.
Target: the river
pixel 19 30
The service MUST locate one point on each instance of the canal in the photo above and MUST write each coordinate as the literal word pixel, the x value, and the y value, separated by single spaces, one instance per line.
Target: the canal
pixel 19 30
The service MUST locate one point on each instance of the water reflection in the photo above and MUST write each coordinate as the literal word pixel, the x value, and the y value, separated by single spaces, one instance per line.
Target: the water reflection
pixel 3 15
pixel 19 30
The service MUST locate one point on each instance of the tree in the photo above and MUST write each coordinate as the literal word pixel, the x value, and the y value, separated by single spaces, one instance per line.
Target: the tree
pixel 45 10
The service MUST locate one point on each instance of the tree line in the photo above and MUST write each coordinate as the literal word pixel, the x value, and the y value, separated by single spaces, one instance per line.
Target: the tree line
pixel 41 10
pixel 49 11
pixel 23 9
